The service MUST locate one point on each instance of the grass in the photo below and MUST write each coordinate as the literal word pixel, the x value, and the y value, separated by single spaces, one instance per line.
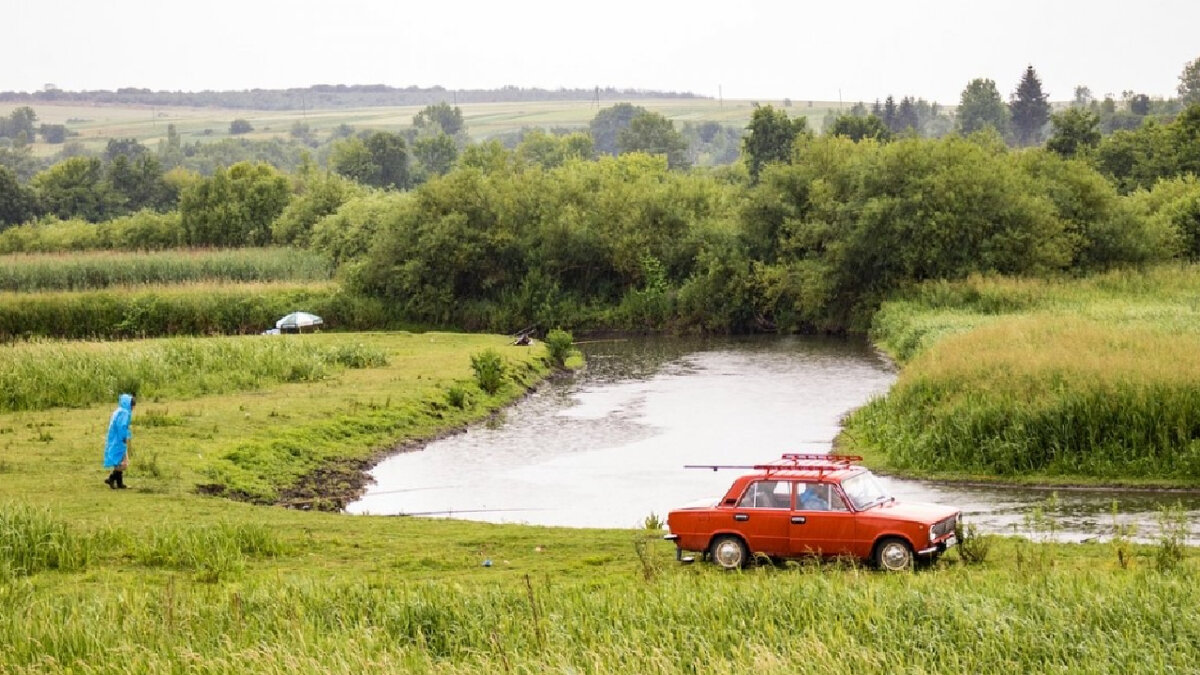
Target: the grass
pixel 167 579
pixel 43 374
pixel 86 271
pixel 197 308
pixel 1093 380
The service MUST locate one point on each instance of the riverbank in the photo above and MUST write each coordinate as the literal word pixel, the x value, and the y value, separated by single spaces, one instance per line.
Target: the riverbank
pixel 1090 382
pixel 161 578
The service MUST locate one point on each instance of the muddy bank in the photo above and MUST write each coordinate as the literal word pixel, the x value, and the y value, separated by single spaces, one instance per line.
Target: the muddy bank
pixel 339 482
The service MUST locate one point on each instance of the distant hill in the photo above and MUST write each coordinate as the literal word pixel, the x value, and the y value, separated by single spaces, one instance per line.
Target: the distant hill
pixel 333 96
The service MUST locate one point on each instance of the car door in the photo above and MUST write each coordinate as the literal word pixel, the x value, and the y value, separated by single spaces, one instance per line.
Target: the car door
pixel 821 522
pixel 762 516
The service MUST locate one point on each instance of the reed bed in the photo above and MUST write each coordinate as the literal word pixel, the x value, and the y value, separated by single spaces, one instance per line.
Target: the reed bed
pixel 1096 378
pixel 39 375
pixel 803 620
pixel 204 308
pixel 86 271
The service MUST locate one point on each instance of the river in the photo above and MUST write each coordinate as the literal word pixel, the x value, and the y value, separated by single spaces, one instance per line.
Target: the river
pixel 606 447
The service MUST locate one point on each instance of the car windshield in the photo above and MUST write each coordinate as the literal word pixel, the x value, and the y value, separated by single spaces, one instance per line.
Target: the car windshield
pixel 864 490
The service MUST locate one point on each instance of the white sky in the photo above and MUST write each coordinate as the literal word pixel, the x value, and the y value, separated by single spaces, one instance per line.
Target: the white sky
pixel 804 50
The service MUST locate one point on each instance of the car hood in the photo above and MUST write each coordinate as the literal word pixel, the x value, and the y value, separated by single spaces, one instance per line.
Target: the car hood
pixel 927 513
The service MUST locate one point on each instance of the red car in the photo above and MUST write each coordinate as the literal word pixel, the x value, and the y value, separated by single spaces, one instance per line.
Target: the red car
pixel 812 505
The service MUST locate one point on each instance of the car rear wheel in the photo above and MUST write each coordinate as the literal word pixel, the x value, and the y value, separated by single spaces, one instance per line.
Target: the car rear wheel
pixel 893 555
pixel 729 552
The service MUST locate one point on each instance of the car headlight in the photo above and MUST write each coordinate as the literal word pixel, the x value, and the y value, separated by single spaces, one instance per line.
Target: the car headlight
pixel 932 532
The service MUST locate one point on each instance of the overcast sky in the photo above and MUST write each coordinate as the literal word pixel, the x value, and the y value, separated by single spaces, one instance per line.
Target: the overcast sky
pixel 858 50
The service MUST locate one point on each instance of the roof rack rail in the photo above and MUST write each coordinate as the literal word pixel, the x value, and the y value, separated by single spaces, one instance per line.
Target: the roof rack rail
pixel 791 460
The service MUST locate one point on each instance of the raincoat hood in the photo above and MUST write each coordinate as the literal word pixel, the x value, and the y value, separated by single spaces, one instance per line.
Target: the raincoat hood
pixel 116 444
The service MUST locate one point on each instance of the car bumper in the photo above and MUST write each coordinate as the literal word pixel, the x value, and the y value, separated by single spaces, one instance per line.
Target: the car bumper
pixel 939 547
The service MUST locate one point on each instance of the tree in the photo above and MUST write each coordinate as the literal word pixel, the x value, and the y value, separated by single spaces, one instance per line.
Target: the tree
pixel 352 159
pixel 653 134
pixel 54 133
pixel 889 113
pixel 129 147
pixel 770 138
pixel 440 119
pixel 608 124
pixel 1029 109
pixel 19 125
pixel 234 207
pixel 858 128
pixel 17 202
pixel 240 126
pixel 75 188
pixel 390 155
pixel 1083 97
pixel 908 115
pixel 435 154
pixel 981 106
pixel 137 183
pixel 379 159
pixel 1139 104
pixel 1075 131
pixel 1189 82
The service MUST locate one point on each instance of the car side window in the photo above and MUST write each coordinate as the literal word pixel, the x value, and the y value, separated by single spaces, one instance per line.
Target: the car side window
pixel 814 496
pixel 767 494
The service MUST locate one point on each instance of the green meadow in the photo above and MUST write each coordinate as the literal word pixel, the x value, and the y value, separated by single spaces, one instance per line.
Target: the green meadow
pixel 1060 381
pixel 167 576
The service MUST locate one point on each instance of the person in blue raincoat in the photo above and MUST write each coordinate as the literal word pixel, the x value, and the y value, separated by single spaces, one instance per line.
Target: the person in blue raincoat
pixel 116 447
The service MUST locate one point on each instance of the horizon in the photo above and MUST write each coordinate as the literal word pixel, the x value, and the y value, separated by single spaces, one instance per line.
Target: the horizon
pixel 759 52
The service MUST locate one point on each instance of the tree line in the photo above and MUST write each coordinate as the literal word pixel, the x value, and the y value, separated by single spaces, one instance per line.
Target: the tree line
pixel 613 227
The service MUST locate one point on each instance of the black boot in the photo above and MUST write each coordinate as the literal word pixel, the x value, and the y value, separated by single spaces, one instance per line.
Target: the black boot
pixel 120 479
pixel 111 481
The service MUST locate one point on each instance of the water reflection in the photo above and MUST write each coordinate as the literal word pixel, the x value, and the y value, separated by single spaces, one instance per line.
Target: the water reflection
pixel 606 447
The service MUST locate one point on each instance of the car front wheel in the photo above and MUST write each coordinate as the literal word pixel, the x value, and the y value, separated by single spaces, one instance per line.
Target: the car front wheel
pixel 729 552
pixel 893 555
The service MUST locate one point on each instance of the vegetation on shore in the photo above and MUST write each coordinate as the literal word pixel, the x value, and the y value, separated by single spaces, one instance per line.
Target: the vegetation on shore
pixel 96 270
pixel 1054 381
pixel 202 308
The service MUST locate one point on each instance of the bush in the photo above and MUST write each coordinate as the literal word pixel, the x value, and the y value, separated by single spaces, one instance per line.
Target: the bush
pixel 559 343
pixel 489 370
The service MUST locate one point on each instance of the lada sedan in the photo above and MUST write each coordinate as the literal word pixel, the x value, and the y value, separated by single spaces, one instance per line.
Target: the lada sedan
pixel 821 505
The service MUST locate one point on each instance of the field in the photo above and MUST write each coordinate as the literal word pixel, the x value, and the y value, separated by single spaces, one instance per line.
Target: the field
pixel 96 124
pixel 165 577
pixel 1092 380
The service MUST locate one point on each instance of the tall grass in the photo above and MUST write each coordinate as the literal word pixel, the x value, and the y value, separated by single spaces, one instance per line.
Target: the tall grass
pixel 1093 378
pixel 32 540
pixel 84 271
pixel 40 375
pixel 185 309
pixel 804 620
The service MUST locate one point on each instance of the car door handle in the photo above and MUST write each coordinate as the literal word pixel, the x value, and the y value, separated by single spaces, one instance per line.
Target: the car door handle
pixel 741 516
pixel 799 520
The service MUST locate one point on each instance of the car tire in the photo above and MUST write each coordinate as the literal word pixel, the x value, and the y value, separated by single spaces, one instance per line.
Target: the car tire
pixel 729 552
pixel 893 555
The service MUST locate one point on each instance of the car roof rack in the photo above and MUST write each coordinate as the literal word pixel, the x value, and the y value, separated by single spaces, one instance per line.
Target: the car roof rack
pixel 791 461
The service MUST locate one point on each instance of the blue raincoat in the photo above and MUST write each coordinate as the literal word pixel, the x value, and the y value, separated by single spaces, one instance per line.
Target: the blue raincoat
pixel 118 432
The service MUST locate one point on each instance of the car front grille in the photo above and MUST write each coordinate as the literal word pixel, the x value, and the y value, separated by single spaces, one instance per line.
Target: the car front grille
pixel 944 527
